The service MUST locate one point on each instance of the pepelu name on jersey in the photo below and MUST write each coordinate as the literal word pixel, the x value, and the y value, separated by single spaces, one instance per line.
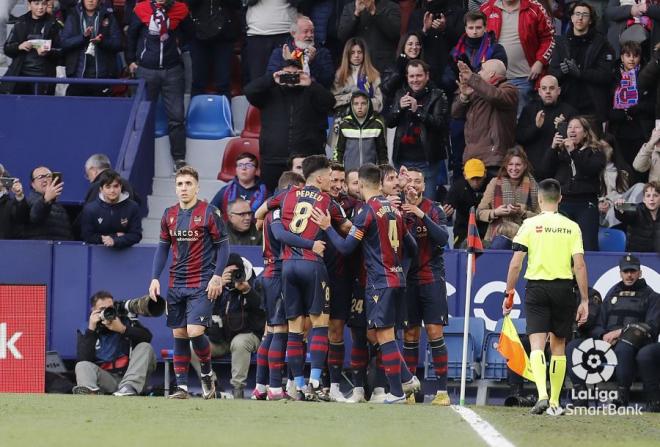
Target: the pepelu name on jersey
pixel 185 233
pixel 310 194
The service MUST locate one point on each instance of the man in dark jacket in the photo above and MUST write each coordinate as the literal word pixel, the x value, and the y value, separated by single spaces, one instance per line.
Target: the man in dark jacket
pixel 539 121
pixel 241 228
pixel 316 60
pixel 242 322
pixel 630 302
pixel 420 114
pixel 465 193
pixel 378 22
pixel 33 46
pixel 155 38
pixel 95 165
pixel 114 354
pixel 294 118
pixel 217 26
pixel 48 219
pixel 582 62
pixel 112 219
pixel 13 210
pixel 90 41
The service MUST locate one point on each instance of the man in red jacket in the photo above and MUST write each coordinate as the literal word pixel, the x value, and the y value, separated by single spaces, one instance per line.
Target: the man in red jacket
pixel 525 31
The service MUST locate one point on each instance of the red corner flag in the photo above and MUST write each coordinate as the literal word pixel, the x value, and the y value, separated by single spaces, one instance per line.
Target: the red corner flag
pixel 474 244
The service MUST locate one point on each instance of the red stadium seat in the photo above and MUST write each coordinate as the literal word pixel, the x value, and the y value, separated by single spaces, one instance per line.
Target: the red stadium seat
pixel 252 126
pixel 234 148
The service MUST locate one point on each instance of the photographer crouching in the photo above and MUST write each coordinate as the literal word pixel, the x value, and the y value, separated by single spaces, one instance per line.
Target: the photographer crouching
pixel 238 322
pixel 114 352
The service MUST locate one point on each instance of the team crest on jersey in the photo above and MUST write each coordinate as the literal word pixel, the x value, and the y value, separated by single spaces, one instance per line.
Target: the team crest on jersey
pixel 375 298
pixel 124 222
pixel 100 220
pixel 197 219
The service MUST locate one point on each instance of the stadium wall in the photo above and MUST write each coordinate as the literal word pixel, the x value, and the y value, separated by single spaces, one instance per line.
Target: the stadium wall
pixel 72 271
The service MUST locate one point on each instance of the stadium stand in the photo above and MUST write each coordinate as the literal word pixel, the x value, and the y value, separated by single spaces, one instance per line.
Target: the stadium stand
pixel 234 148
pixel 611 239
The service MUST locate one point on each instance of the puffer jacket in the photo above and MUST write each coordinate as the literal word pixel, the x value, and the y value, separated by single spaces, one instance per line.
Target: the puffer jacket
pixel 360 143
pixel 48 221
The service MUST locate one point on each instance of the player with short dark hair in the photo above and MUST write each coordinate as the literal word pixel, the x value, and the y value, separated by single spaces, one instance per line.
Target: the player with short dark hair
pixel 426 289
pixel 305 282
pixel 553 242
pixel 200 249
pixel 380 228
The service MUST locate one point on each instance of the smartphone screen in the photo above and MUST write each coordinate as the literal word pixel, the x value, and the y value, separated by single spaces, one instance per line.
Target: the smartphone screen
pixel 57 177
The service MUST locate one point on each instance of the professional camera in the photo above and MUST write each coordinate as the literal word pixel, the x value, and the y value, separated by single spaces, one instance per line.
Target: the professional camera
pixel 242 273
pixel 143 306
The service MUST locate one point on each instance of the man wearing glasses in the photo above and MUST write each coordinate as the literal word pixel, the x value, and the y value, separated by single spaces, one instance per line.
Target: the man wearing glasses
pixel 240 224
pixel 48 219
pixel 246 186
pixel 582 62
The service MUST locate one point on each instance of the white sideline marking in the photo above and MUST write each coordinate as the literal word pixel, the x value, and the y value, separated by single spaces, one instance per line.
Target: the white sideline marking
pixel 486 431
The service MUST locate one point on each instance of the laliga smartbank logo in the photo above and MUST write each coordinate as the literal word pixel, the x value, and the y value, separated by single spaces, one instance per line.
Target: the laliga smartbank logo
pixel 594 362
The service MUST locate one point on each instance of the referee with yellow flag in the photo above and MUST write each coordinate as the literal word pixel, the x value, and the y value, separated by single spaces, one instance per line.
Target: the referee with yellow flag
pixel 552 243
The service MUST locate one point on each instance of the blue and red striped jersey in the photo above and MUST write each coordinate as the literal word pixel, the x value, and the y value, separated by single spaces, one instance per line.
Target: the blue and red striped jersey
pixel 297 205
pixel 272 248
pixel 428 266
pixel 194 235
pixel 381 229
pixel 348 203
pixel 233 190
pixel 335 262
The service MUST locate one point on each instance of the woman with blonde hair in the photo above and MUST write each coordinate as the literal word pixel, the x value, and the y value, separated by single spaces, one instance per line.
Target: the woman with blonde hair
pixel 512 196
pixel 577 161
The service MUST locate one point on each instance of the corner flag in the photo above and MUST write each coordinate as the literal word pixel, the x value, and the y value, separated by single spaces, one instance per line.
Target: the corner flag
pixel 512 349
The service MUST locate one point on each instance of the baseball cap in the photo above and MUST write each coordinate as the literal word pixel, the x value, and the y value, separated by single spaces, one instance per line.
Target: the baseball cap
pixel 474 168
pixel 629 262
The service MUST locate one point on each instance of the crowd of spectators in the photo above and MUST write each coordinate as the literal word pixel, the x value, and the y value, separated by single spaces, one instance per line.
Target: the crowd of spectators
pixel 530 89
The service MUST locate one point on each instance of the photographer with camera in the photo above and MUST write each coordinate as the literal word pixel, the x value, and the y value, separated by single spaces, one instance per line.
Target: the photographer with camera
pixel 238 322
pixel 114 351
pixel 294 117
pixel 13 210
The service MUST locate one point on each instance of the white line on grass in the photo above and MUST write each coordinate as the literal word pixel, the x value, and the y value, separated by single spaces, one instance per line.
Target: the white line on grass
pixel 486 431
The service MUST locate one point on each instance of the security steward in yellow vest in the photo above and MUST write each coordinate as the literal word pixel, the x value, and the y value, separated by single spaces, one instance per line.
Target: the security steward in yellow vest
pixel 552 243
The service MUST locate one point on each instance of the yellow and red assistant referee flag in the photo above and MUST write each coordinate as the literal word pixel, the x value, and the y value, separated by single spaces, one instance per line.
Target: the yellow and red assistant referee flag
pixel 513 351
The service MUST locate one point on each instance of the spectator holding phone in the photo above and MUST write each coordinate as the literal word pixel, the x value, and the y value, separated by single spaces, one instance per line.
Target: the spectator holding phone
pixel 641 218
pixel 48 219
pixel 13 210
pixel 294 117
pixel 577 161
pixel 511 196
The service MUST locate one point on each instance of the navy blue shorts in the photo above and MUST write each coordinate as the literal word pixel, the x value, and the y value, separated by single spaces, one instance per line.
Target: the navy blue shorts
pixel 340 304
pixel 385 307
pixel 358 315
pixel 428 303
pixel 305 288
pixel 273 301
pixel 188 306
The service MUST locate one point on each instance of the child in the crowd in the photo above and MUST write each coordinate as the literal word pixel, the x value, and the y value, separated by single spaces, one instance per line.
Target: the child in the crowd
pixel 641 219
pixel 631 118
pixel 361 135
pixel 503 239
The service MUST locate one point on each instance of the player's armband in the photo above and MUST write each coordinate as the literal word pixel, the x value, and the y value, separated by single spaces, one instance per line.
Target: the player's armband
pixel 518 247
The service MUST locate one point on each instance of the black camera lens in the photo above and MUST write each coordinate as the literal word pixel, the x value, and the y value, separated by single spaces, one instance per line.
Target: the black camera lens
pixel 238 275
pixel 109 314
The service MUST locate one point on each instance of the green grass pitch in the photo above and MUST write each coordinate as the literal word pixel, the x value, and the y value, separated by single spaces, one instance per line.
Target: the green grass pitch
pixel 54 420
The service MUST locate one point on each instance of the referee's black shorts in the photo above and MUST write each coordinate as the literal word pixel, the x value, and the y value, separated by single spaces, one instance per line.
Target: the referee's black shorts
pixel 550 306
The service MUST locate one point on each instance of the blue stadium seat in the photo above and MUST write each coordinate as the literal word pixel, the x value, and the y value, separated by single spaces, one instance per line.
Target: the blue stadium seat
pixel 610 239
pixel 494 364
pixel 209 118
pixel 453 335
pixel 160 126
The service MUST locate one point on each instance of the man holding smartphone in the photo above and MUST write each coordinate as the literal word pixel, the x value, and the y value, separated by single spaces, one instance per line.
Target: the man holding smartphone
pixel 13 210
pixel 48 219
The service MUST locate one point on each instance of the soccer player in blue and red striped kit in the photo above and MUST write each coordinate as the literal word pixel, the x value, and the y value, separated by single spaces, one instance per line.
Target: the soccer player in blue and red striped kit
pixel 200 249
pixel 426 291
pixel 305 282
pixel 381 229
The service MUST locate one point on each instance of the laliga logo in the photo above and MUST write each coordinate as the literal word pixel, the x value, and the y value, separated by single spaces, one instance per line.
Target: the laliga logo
pixel 9 344
pixel 594 361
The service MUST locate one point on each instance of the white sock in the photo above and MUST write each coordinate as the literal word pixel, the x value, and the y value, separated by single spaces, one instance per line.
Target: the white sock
pixel 314 383
pixel 276 390
pixel 334 386
pixel 183 387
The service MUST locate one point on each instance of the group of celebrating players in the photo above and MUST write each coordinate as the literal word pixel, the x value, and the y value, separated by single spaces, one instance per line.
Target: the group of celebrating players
pixel 363 249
